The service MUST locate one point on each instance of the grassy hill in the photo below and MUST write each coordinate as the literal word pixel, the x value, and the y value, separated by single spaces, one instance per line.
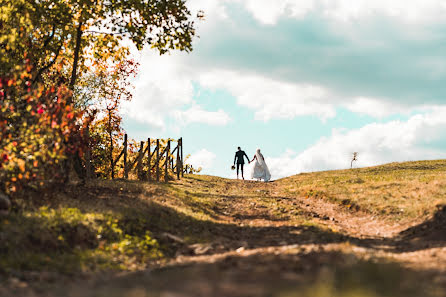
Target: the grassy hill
pixel 377 231
pixel 408 191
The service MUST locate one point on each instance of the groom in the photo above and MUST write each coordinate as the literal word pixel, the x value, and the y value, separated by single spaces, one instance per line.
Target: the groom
pixel 239 158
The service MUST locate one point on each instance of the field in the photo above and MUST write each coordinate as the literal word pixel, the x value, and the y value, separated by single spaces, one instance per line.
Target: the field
pixel 378 231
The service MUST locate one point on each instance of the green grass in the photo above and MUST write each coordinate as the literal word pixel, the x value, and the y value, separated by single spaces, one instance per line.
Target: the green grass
pixel 361 279
pixel 68 240
pixel 104 226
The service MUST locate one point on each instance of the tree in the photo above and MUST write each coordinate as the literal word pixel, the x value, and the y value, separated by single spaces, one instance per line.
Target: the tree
pixel 73 29
pixel 47 47
pixel 106 89
pixel 38 129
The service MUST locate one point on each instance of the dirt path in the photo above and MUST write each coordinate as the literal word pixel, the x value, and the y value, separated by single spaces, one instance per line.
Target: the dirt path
pixel 358 223
pixel 363 235
pixel 268 243
pixel 276 251
pixel 368 234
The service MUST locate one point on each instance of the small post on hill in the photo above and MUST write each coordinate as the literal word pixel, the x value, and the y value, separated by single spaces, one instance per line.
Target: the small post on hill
pixel 157 160
pixel 166 164
pixel 126 173
pixel 149 159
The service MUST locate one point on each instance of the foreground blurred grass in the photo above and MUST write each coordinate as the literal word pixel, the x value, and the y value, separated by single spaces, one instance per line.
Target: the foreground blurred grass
pixel 398 190
pixel 107 225
pixel 69 241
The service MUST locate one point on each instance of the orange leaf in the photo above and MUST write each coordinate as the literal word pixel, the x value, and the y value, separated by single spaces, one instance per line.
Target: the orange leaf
pixel 21 164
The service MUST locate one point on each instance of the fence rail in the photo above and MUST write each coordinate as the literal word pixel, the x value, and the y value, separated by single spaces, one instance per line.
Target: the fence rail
pixel 148 160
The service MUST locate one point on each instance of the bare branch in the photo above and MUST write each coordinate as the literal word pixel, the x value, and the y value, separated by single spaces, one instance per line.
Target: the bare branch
pixel 106 33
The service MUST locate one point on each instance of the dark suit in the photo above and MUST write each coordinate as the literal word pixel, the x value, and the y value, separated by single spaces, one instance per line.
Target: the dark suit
pixel 240 160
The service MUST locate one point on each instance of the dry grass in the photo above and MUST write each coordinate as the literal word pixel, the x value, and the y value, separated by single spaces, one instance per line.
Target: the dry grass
pixel 410 190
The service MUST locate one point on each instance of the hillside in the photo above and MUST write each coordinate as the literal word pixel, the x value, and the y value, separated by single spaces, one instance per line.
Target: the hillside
pixel 378 231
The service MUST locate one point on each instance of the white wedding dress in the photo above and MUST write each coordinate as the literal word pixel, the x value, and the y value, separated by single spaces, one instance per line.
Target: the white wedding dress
pixel 260 170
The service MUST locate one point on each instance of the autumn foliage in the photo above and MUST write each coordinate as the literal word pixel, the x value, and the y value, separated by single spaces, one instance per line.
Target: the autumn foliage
pixel 65 67
pixel 38 129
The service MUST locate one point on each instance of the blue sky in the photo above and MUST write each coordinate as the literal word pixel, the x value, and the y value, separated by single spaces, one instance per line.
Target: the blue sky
pixel 307 81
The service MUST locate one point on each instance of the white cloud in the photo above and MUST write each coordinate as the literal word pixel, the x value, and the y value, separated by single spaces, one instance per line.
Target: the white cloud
pixel 376 144
pixel 266 11
pixel 213 9
pixel 164 88
pixel 196 114
pixel 411 11
pixel 161 87
pixel 381 108
pixel 271 98
pixel 414 11
pixel 375 107
pixel 202 158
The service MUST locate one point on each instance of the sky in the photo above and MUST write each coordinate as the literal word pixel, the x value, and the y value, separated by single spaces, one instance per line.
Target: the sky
pixel 308 82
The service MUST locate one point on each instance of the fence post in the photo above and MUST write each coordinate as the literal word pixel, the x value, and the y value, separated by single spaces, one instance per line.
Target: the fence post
pixel 126 173
pixel 166 164
pixel 178 159
pixel 157 160
pixel 149 159
pixel 182 160
pixel 140 157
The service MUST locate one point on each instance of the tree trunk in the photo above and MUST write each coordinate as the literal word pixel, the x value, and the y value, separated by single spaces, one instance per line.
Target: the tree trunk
pixel 77 51
pixel 75 160
pixel 126 173
pixel 110 134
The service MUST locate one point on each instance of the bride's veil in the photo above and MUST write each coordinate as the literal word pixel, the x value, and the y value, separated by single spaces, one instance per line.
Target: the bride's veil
pixel 263 164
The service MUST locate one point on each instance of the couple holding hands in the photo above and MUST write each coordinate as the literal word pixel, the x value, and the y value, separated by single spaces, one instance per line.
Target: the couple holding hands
pixel 259 171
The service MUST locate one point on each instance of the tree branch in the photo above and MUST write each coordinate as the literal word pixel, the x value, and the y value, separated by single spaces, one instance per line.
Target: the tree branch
pixel 41 70
pixel 106 33
pixel 47 41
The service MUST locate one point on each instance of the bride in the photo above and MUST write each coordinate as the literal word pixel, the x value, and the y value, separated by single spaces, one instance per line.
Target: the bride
pixel 260 170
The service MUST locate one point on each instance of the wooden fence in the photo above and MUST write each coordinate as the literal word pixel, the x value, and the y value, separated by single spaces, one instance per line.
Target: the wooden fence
pixel 158 160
